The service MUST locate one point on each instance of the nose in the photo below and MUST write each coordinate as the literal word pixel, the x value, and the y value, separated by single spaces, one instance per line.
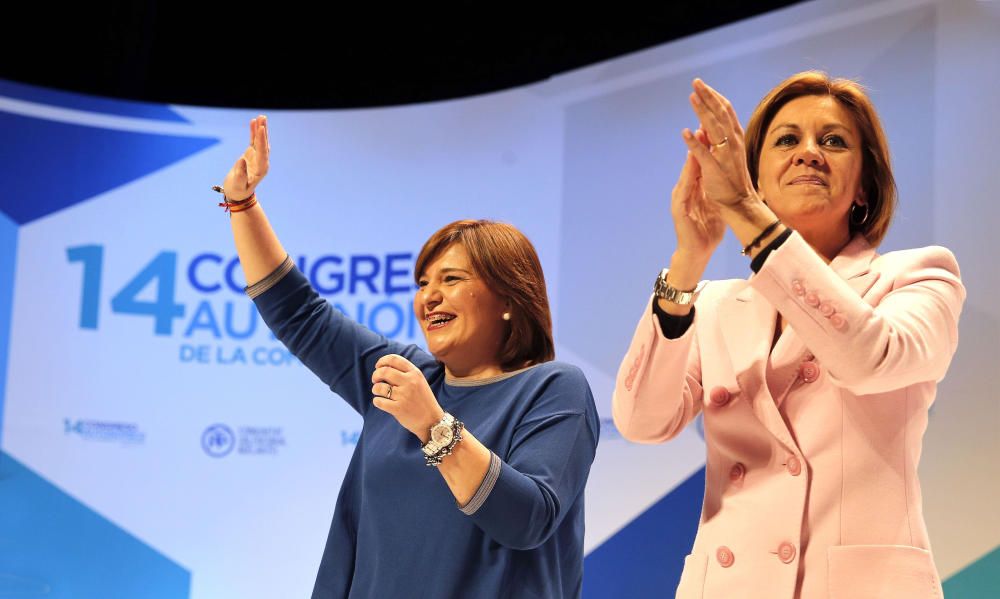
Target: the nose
pixel 808 152
pixel 431 296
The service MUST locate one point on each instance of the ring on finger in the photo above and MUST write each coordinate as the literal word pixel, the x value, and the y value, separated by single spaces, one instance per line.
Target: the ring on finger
pixel 388 394
pixel 724 141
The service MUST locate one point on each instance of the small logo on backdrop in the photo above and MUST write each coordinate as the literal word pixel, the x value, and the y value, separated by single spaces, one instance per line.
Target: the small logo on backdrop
pixel 126 433
pixel 219 440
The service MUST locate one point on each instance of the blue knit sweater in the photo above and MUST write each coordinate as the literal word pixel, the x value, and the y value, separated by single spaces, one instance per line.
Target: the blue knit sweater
pixel 397 531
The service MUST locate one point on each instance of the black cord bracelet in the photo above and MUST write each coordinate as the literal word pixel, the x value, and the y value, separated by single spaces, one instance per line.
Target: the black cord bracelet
pixel 767 231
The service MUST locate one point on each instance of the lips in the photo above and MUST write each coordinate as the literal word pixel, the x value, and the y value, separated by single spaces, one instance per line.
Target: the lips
pixel 807 180
pixel 437 320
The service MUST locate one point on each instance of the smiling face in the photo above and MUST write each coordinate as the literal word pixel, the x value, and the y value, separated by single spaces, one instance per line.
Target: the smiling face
pixel 810 168
pixel 462 319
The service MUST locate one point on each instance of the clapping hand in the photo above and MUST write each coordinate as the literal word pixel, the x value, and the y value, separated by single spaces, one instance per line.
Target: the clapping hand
pixel 697 222
pixel 721 153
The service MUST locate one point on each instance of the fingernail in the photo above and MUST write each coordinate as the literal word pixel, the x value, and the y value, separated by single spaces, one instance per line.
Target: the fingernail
pixel 686 133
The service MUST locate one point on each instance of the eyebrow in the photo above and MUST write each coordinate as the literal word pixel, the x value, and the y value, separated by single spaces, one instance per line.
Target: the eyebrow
pixel 793 126
pixel 448 269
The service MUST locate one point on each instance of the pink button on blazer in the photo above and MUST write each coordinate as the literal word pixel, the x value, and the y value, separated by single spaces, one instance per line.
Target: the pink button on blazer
pixel 823 430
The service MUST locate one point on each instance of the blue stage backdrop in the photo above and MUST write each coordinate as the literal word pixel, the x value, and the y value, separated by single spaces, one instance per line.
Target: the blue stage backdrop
pixel 158 442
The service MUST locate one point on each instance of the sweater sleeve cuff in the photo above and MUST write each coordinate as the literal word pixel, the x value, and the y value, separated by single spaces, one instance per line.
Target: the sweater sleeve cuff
pixel 672 326
pixel 485 487
pixel 270 280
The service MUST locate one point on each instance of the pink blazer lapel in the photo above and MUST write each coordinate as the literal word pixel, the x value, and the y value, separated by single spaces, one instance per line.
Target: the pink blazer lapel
pixel 747 321
pixel 853 264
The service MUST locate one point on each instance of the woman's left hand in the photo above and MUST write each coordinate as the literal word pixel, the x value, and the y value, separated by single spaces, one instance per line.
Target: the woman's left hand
pixel 722 156
pixel 400 389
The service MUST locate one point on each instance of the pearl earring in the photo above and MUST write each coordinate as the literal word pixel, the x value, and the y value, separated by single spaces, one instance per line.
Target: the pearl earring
pixel 506 315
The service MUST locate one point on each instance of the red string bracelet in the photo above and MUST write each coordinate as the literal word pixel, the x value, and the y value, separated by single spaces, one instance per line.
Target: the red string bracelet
pixel 235 205
pixel 241 205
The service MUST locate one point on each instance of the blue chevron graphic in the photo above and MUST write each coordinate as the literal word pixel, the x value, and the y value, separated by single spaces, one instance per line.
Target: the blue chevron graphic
pixel 52 97
pixel 8 262
pixel 50 543
pixel 54 546
pixel 647 555
pixel 48 165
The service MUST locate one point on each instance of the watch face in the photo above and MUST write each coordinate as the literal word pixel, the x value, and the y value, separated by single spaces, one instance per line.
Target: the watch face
pixel 442 434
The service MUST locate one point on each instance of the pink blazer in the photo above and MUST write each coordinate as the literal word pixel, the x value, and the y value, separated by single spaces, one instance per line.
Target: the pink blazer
pixel 812 446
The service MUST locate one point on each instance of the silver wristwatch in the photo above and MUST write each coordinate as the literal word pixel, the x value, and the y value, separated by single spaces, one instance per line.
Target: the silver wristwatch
pixel 442 434
pixel 664 290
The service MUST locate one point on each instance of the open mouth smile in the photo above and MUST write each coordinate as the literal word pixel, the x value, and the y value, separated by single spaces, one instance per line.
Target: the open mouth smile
pixel 437 320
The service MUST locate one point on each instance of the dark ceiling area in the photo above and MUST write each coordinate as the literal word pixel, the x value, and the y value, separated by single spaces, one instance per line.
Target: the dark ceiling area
pixel 325 56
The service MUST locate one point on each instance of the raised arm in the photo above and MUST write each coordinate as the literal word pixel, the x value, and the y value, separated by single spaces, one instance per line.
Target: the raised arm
pixel 658 388
pixel 907 337
pixel 339 351
pixel 256 243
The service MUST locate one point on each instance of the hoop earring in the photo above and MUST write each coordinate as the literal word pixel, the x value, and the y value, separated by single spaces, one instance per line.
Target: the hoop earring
pixel 855 219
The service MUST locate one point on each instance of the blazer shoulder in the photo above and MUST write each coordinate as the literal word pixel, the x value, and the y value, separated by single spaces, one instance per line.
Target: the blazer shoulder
pixel 934 257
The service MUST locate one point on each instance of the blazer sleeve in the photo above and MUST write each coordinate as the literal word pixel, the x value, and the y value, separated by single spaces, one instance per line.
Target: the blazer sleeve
pixel 658 389
pixel 338 350
pixel 908 336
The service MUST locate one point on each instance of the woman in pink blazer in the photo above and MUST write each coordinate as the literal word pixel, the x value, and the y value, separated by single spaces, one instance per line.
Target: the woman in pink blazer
pixel 814 375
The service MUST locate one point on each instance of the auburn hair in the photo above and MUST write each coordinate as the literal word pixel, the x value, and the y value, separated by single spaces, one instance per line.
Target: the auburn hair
pixel 877 181
pixel 507 263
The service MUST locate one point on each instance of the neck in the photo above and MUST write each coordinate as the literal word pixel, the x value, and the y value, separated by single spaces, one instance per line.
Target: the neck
pixel 827 243
pixel 471 372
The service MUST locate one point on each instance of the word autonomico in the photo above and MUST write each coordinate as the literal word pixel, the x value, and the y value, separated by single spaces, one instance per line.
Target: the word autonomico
pixel 333 276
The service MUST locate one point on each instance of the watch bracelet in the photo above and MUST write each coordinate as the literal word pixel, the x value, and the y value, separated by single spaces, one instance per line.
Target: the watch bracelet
pixel 446 420
pixel 682 297
pixel 434 460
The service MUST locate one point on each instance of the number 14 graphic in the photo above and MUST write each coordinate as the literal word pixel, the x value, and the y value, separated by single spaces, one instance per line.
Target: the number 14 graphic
pixel 161 270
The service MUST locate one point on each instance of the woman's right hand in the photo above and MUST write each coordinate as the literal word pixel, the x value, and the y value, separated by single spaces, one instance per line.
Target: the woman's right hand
pixel 697 222
pixel 252 166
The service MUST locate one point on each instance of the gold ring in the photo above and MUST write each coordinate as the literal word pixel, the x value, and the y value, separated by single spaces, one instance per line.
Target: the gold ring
pixel 388 394
pixel 724 141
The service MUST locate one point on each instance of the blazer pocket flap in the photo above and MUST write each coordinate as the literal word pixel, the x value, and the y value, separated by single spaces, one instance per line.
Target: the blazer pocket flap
pixel 882 572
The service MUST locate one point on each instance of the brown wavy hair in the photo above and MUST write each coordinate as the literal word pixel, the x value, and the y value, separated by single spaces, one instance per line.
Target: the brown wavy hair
pixel 877 181
pixel 508 264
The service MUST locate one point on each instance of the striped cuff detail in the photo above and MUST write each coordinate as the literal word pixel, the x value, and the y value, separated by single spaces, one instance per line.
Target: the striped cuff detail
pixel 485 487
pixel 270 280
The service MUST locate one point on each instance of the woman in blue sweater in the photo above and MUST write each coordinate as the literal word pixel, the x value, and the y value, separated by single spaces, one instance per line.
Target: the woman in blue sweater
pixel 510 433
